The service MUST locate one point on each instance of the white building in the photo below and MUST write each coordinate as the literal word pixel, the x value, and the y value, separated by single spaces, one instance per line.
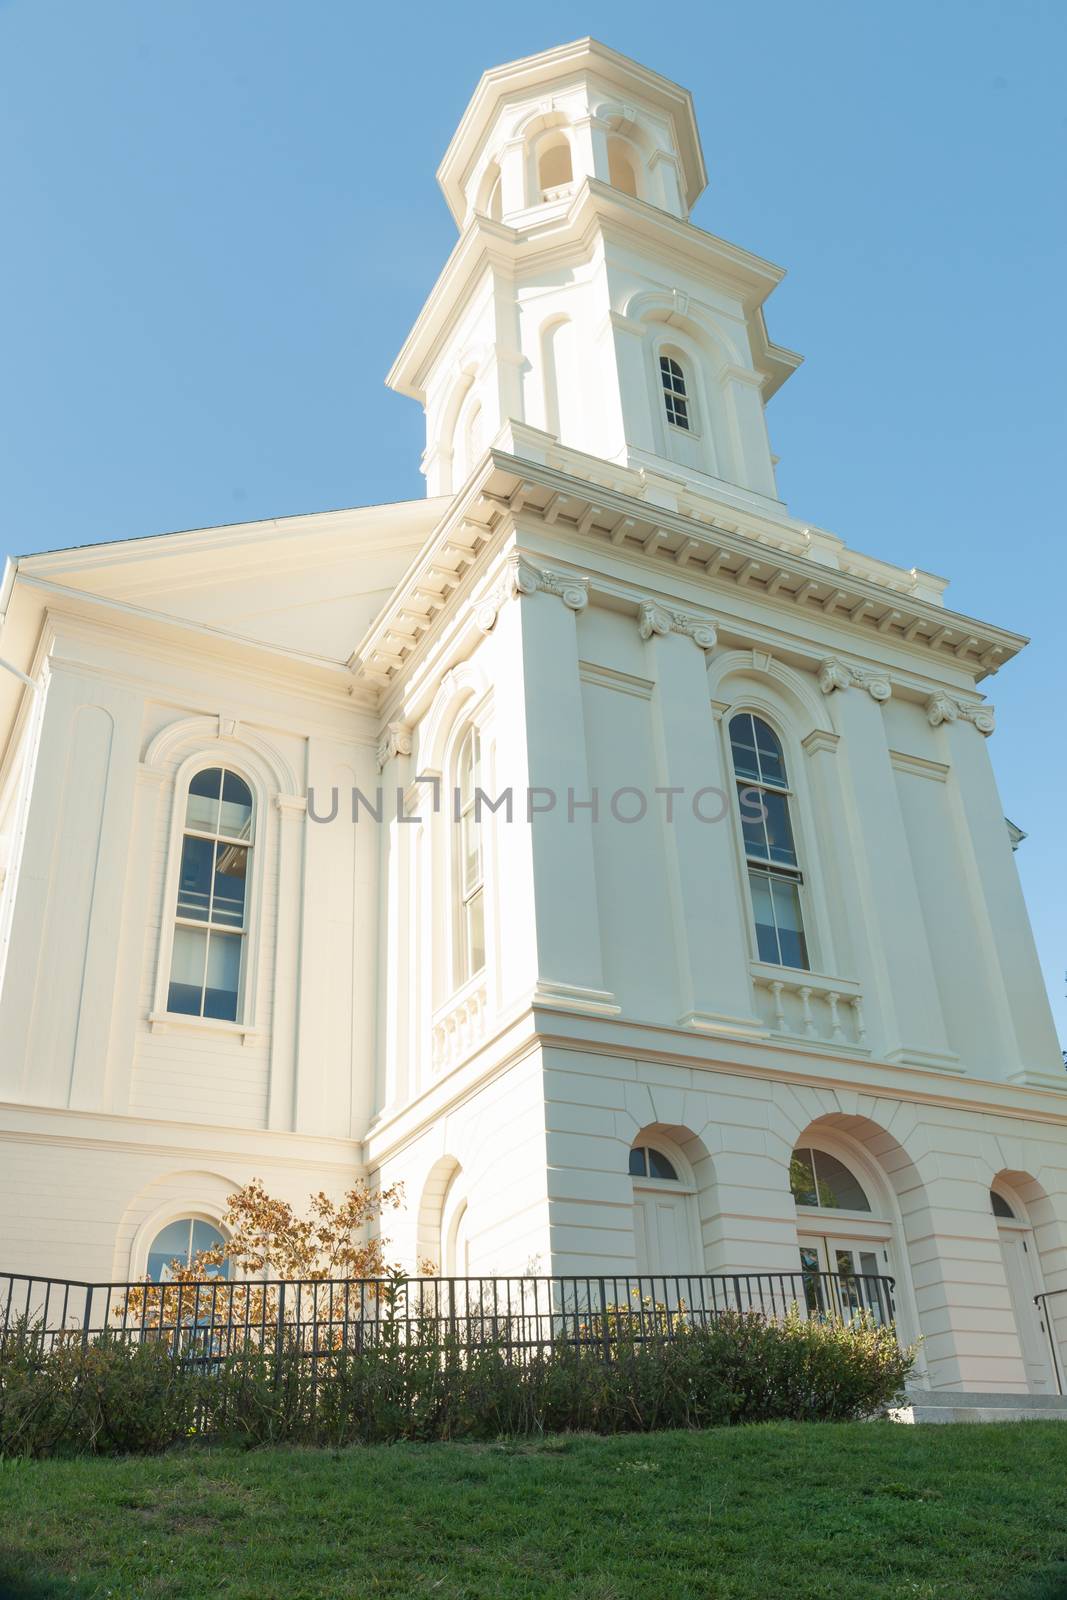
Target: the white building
pixel 602 595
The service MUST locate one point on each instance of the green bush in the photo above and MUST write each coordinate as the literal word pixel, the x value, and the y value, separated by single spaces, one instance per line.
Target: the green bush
pixel 111 1397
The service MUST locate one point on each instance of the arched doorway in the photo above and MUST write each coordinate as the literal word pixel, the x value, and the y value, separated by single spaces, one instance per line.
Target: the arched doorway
pixel 845 1241
pixel 455 1221
pixel 665 1222
pixel 1022 1272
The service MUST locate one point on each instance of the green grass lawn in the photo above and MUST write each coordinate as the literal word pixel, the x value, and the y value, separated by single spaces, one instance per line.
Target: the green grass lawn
pixel 777 1512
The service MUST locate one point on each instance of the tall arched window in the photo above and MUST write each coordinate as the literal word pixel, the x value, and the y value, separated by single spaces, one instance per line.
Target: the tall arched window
pixel 675 393
pixel 210 917
pixel 469 889
pixel 774 874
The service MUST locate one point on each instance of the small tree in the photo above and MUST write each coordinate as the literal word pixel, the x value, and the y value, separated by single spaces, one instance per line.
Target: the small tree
pixel 267 1239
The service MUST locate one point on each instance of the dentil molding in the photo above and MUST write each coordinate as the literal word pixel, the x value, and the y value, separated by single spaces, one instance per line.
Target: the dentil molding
pixel 522 577
pixel 837 674
pixel 655 621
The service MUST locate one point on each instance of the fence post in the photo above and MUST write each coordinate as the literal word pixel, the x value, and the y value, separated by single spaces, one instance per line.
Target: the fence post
pixel 279 1333
pixel 605 1328
pixel 88 1316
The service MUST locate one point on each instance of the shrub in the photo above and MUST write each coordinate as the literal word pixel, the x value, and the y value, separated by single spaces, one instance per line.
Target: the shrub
pixel 108 1396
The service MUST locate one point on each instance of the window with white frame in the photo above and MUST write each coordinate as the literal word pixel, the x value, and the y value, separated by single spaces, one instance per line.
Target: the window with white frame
pixel 676 398
pixel 178 1245
pixel 210 930
pixel 774 873
pixel 469 876
pixel 648 1162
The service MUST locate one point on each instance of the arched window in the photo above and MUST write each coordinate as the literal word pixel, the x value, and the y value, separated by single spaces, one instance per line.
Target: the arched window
pixel 645 1162
pixel 774 874
pixel 1001 1208
pixel 621 174
pixel 470 888
pixel 675 394
pixel 210 917
pixel 554 170
pixel 822 1181
pixel 178 1243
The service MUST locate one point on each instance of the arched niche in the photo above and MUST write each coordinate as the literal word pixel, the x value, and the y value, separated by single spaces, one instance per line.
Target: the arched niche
pixel 429 1239
pixel 561 380
pixel 623 166
pixel 675 327
pixel 549 156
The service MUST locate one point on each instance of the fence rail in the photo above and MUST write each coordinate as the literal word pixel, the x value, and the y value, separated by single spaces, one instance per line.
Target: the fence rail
pixel 208 1321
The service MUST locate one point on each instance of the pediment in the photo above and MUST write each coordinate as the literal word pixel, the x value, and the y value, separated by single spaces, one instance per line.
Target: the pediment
pixel 312 583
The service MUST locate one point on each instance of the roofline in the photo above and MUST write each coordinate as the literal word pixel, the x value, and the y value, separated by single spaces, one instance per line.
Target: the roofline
pixel 92 547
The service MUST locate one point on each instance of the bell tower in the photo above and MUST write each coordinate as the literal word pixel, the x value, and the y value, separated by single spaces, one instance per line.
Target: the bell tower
pixel 581 313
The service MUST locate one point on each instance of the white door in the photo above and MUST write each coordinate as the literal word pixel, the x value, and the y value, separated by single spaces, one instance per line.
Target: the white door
pixel 1020 1269
pixel 662 1234
pixel 853 1263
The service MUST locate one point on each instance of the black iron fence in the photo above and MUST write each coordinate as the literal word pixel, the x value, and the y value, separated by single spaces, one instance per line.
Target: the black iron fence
pixel 208 1321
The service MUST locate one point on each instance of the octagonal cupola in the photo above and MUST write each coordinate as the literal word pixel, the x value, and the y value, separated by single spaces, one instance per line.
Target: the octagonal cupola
pixel 535 128
pixel 581 312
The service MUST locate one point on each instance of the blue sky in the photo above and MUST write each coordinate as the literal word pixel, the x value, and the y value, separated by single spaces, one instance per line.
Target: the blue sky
pixel 221 220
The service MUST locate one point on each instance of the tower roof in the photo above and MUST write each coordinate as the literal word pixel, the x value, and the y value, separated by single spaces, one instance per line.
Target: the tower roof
pixel 549 67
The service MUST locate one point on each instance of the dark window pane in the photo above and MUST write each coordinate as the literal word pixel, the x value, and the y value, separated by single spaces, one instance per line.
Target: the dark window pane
pixel 235 819
pixel 743 744
pixel 794 949
pixel 170 1245
pixel 802 1181
pixel 779 848
pixel 223 975
pixel 194 878
pixel 228 904
pixel 836 1187
pixel 659 1166
pixel 187 971
pixel 202 805
pixel 785 897
pixel 637 1162
pixel 753 826
pixel 763 912
pixel 1001 1208
pixel 772 763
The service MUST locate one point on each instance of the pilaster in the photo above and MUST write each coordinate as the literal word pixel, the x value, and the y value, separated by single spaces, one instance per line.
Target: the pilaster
pixel 715 986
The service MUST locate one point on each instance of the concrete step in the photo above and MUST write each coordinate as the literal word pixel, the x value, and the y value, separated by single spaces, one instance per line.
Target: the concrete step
pixel 960 1405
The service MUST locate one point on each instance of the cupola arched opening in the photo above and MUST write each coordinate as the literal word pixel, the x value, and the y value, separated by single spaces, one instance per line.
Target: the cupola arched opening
pixel 622 166
pixel 555 170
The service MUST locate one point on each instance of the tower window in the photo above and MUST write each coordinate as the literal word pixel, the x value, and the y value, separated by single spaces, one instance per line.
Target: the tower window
pixel 774 874
pixel 675 395
pixel 210 924
pixel 469 879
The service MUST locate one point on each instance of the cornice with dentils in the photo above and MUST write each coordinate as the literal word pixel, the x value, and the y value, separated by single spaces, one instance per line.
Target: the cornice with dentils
pixel 668 542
